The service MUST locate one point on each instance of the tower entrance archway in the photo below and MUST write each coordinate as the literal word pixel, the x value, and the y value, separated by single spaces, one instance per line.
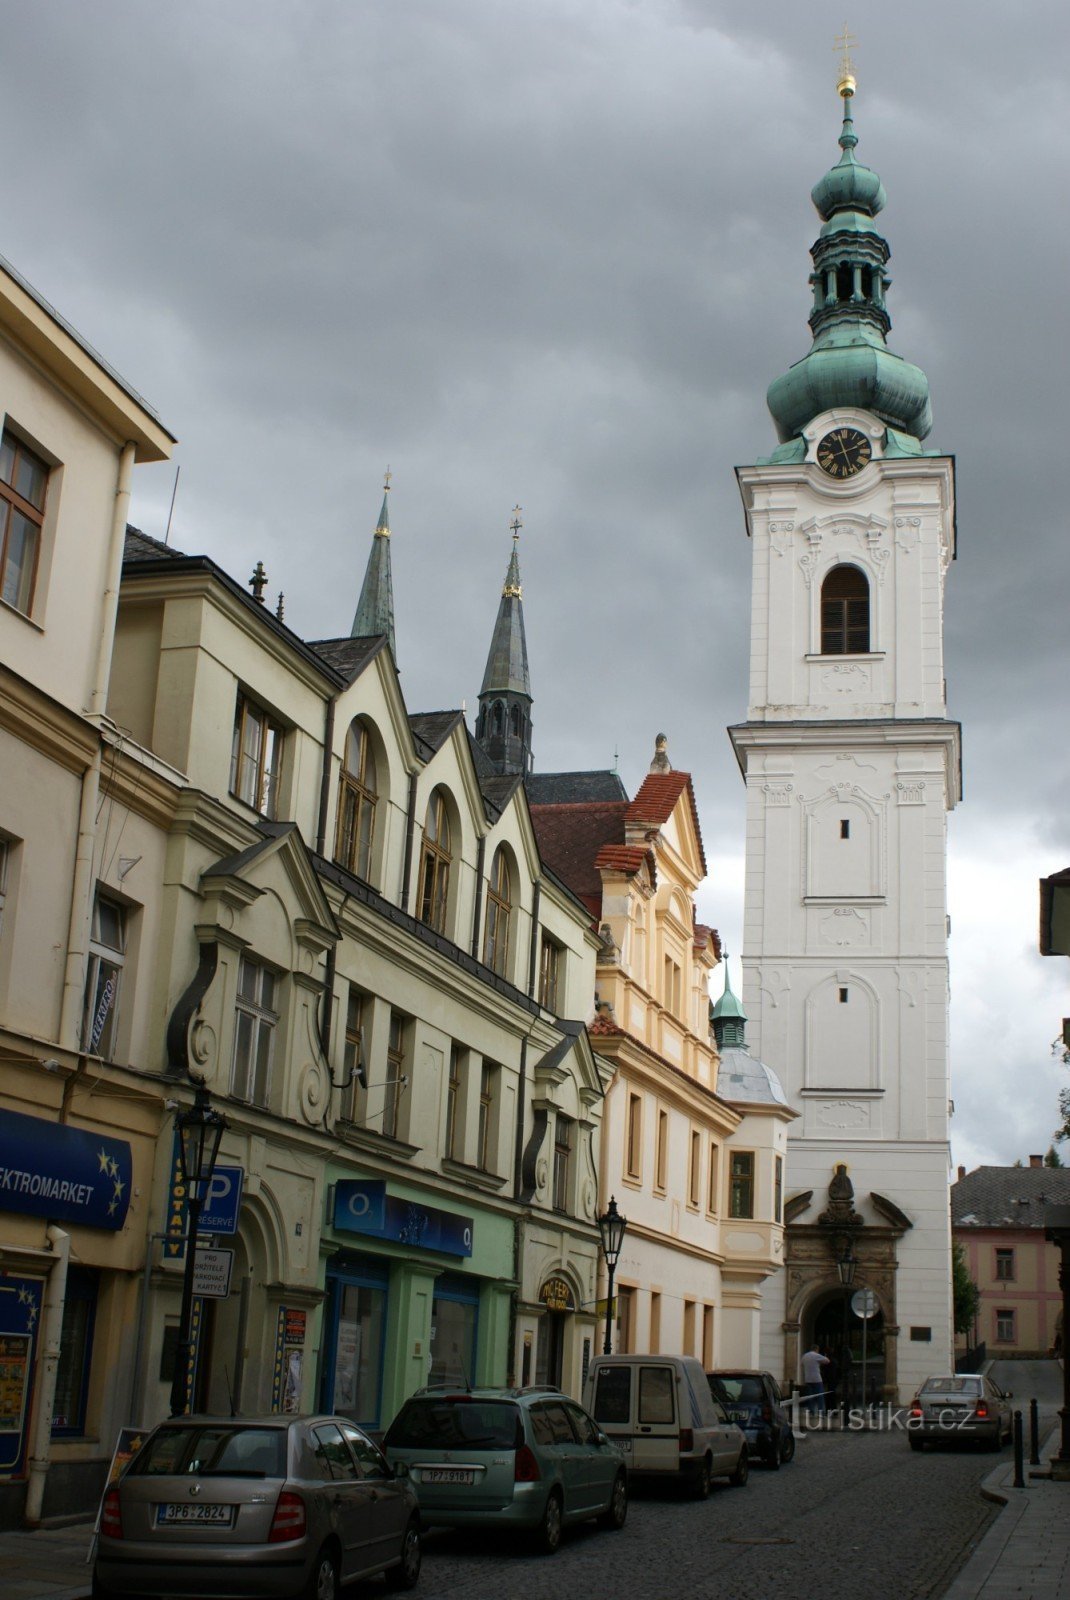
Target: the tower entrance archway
pixel 855 1347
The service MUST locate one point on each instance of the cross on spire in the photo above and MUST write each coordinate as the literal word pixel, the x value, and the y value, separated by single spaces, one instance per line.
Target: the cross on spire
pixel 843 46
pixel 258 582
pixel 517 523
pixel 386 480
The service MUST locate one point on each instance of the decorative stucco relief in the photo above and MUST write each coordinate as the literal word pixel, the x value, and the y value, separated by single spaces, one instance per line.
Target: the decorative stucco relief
pixel 910 793
pixel 843 1115
pixel 845 927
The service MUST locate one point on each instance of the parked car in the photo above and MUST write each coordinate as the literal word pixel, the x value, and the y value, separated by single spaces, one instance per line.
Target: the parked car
pixel 267 1506
pixel 659 1410
pixel 968 1406
pixel 508 1458
pixel 753 1401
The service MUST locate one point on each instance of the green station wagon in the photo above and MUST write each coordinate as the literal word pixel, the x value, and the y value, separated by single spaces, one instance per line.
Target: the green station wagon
pixel 508 1458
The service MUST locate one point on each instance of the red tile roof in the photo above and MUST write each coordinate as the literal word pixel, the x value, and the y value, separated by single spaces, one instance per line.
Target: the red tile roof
pixel 570 838
pixel 625 858
pixel 656 801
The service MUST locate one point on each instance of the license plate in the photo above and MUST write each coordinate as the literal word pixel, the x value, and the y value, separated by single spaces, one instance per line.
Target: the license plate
pixel 742 1417
pixel 167 1515
pixel 463 1475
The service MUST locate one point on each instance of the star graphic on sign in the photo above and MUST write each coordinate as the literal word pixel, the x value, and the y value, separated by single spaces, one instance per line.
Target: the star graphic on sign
pixel 113 1168
pixel 111 1207
pixel 102 1157
pixel 31 1316
pixel 119 1187
pixel 24 1297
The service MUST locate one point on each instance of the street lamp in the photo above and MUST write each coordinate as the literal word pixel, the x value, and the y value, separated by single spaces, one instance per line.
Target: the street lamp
pixel 611 1226
pixel 845 1266
pixel 200 1132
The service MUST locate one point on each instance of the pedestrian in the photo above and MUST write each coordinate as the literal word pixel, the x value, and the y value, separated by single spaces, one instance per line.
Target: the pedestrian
pixel 812 1380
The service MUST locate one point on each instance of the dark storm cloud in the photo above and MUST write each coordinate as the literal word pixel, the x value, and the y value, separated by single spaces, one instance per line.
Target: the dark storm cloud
pixel 554 253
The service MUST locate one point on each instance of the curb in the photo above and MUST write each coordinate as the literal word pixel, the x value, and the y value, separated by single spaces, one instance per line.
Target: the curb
pixel 980 1566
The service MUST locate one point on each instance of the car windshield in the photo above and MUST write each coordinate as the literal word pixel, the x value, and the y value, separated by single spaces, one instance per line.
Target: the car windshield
pixel 951 1386
pixel 214 1450
pixel 741 1390
pixel 455 1422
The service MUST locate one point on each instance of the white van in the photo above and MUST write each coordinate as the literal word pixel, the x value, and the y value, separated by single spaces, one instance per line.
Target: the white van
pixel 660 1412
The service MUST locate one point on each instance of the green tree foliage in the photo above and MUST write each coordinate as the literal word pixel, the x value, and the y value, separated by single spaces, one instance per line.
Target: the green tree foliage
pixel 1053 1158
pixel 967 1296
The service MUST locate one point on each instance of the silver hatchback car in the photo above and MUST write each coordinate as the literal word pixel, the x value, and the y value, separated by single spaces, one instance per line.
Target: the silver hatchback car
pixel 267 1506
pixel 965 1406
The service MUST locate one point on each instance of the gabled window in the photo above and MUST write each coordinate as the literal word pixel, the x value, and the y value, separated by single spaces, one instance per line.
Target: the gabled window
pixel 107 952
pixel 499 911
pixel 741 1184
pixel 255 757
pixel 550 963
pixel 845 612
pixel 357 795
pixel 23 482
pixel 435 864
pixel 254 1035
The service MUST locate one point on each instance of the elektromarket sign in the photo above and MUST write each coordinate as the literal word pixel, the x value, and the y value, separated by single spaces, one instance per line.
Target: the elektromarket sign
pixel 48 1169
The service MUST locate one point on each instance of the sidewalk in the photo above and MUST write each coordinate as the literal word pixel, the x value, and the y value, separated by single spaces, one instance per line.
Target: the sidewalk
pixel 1026 1552
pixel 47 1565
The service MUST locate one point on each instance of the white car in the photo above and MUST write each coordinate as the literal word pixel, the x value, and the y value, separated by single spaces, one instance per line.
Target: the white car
pixel 968 1406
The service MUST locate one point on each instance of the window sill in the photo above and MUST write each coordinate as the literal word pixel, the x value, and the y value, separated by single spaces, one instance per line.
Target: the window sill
pixel 844 899
pixel 372 1139
pixel 859 655
pixel 476 1177
pixel 5 605
pixel 822 1089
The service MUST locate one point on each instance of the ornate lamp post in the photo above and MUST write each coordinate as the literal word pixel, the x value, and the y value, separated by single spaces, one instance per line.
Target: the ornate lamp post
pixel 611 1226
pixel 845 1267
pixel 1057 1229
pixel 200 1132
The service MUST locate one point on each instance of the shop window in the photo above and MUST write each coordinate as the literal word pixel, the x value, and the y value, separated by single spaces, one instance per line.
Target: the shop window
pixel 357 795
pixel 1005 1326
pixel 354 1078
pixel 499 912
pixel 435 862
pixel 550 965
pixel 845 612
pixel 23 483
pixel 396 1079
pixel 454 1327
pixel 103 980
pixel 562 1162
pixel 254 1033
pixel 75 1353
pixel 255 757
pixel 741 1184
pixel 353 1368
pixel 1005 1266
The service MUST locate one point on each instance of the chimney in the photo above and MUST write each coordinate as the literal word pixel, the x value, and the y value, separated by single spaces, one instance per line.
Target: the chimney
pixel 1036 1161
pixel 962 1173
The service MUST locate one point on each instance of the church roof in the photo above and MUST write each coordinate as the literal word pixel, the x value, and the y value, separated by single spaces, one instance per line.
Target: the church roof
pixel 570 839
pixel 656 800
pixel 506 671
pixel 348 656
pixel 1008 1197
pixel 573 788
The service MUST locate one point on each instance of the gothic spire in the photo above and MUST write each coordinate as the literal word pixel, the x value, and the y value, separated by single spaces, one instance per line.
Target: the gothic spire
pixel 503 727
pixel 375 608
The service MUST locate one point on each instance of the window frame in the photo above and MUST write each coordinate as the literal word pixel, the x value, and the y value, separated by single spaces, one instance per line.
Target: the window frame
pixel 661 1152
pixel 694 1169
pixel 268 759
pixel 499 914
pixel 358 795
pixel 844 633
pixel 551 955
pixel 263 1018
pixel 712 1196
pixel 436 859
pixel 741 1186
pixel 103 955
pixel 1006 1318
pixel 83 1289
pixel 633 1138
pixel 13 503
pixel 485 1130
pixel 561 1192
pixel 1004 1257
pixel 454 1083
pixel 354 1092
pixel 395 1082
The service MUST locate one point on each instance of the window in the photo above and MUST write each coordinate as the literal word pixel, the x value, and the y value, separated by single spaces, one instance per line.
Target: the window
pixel 689 1327
pixel 741 1184
pixel 107 950
pixel 356 803
pixel 354 1080
pixel 662 1152
pixel 1005 1326
pixel 624 1342
pixel 499 908
pixel 435 864
pixel 843 997
pixel 23 481
pixel 672 990
pixel 778 1190
pixel 562 1161
pixel 1005 1266
pixel 75 1352
pixel 694 1169
pixel 254 758
pixel 654 1342
pixel 549 973
pixel 707 1337
pixel 488 1084
pixel 845 612
pixel 395 1075
pixel 634 1147
pixel 453 1095
pixel 845 827
pixel 254 1038
pixel 711 1187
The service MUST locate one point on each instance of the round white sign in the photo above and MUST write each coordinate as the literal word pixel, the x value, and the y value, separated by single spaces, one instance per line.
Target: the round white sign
pixel 864 1303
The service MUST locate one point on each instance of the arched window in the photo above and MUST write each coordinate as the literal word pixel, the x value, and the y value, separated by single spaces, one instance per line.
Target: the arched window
pixel 499 717
pixel 356 803
pixel 435 864
pixel 845 612
pixel 514 722
pixel 499 909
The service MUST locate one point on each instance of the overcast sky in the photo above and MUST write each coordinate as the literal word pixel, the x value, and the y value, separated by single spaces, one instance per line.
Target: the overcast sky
pixel 553 252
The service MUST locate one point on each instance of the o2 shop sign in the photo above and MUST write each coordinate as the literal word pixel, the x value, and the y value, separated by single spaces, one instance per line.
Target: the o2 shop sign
pixel 366 1208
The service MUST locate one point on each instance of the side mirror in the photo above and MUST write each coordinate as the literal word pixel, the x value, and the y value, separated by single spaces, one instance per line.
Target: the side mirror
pixel 401 1469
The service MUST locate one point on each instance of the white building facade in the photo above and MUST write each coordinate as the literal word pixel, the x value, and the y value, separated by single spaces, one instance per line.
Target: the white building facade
pixel 851 767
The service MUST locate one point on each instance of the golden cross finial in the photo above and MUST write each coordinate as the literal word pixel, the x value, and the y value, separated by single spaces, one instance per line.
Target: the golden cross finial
pixel 517 522
pixel 386 480
pixel 843 46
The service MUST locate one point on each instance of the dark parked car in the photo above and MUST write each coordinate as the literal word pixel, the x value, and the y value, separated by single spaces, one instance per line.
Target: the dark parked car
pixel 268 1507
pixel 753 1400
pixel 508 1458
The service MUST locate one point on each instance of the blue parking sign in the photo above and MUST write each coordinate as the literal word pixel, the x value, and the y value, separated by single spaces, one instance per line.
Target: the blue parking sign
pixel 222 1201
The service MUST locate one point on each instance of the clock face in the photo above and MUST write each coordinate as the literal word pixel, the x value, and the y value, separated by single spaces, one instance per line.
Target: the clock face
pixel 843 452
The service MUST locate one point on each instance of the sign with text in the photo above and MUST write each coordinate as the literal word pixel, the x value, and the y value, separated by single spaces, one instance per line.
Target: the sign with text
pixel 363 1206
pixel 211 1273
pixel 50 1169
pixel 221 1209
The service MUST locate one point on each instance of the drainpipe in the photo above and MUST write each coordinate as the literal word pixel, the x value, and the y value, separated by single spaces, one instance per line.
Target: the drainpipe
pixel 533 953
pixel 99 700
pixel 51 1327
pixel 410 829
pixel 325 777
pixel 481 857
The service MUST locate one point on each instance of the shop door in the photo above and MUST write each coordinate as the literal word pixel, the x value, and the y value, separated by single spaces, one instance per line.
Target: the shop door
pixel 454 1327
pixel 550 1356
pixel 356 1324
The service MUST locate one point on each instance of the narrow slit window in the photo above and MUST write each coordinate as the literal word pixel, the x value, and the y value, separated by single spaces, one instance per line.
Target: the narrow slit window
pixel 845 827
pixel 843 997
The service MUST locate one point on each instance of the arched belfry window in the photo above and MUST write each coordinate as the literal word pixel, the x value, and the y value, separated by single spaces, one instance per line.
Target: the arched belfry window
pixel 358 793
pixel 845 612
pixel 435 864
pixel 499 910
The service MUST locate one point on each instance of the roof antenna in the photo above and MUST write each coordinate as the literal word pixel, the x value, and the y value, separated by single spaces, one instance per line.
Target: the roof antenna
pixel 170 514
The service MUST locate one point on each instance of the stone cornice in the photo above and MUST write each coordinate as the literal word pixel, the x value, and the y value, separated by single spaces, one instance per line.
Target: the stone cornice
pixel 940 733
pixel 41 722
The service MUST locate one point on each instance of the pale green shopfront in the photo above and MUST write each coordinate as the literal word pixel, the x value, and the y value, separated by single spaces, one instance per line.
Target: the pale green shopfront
pixel 419 1287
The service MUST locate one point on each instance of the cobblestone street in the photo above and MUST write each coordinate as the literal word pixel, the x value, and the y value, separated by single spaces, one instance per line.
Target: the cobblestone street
pixel 855 1513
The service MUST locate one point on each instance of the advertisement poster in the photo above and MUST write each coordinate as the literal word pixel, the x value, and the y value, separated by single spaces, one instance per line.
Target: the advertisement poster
pixel 20 1313
pixel 289 1360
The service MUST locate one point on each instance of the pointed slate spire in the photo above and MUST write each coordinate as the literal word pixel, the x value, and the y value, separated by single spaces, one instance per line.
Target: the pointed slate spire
pixel 375 608
pixel 503 728
pixel 728 1017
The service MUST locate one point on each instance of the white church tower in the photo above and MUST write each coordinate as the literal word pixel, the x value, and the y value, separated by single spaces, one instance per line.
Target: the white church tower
pixel 851 767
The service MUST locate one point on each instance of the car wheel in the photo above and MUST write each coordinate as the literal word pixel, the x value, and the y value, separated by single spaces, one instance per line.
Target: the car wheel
pixel 548 1536
pixel 771 1456
pixel 738 1478
pixel 787 1447
pixel 916 1443
pixel 322 1582
pixel 617 1510
pixel 702 1482
pixel 407 1574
